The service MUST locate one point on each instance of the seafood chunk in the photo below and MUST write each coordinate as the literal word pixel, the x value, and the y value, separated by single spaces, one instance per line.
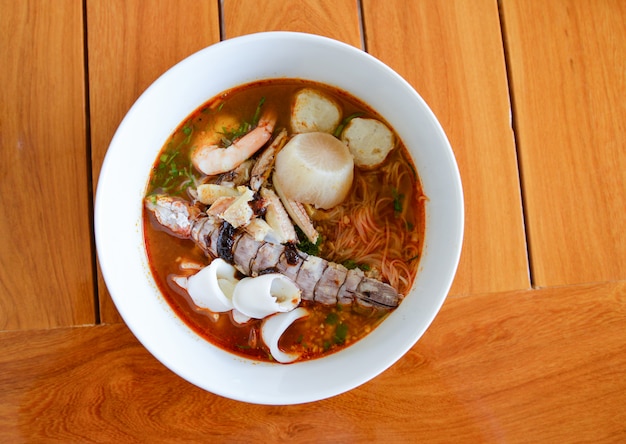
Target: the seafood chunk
pixel 349 287
pixel 239 212
pixel 266 258
pixel 290 262
pixel 273 328
pixel 262 296
pixel 238 176
pixel 276 216
pixel 369 141
pixel 376 292
pixel 212 136
pixel 174 214
pixel 220 205
pixel 298 215
pixel 264 164
pixel 208 193
pixel 213 286
pixel 211 159
pixel 313 110
pixel 327 281
pixel 260 230
pixel 244 251
pixel 309 275
pixel 329 284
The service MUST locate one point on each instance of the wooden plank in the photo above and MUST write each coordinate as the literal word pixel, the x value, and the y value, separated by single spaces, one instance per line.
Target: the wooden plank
pixel 532 366
pixel 130 44
pixel 338 19
pixel 568 79
pixel 46 277
pixel 451 52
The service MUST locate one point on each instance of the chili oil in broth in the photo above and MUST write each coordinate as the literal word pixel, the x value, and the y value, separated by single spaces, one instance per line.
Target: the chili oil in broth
pixel 378 228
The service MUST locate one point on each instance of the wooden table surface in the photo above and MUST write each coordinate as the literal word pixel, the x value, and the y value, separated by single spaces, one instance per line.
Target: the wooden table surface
pixel 530 345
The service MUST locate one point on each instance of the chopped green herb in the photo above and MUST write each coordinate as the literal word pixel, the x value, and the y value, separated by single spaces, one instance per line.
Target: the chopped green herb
pixel 351 264
pixel 341 333
pixel 397 201
pixel 305 245
pixel 257 112
pixel 343 124
pixel 332 318
pixel 229 136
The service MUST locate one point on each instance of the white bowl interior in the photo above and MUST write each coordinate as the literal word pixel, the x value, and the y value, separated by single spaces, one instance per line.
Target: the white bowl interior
pixel 122 183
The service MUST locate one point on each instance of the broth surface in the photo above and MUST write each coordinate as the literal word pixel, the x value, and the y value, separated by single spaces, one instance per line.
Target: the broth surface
pixel 378 228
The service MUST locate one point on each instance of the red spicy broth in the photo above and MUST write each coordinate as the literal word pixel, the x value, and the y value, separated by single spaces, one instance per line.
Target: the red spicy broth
pixel 379 227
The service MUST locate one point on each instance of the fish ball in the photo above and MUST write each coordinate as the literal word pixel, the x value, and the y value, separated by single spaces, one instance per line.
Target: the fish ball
pixel 314 111
pixel 369 141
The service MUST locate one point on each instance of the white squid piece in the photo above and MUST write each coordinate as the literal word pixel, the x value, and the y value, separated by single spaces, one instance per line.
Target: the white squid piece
pixel 273 328
pixel 265 295
pixel 213 286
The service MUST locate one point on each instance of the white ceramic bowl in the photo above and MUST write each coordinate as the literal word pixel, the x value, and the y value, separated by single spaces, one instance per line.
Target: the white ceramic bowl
pixel 122 184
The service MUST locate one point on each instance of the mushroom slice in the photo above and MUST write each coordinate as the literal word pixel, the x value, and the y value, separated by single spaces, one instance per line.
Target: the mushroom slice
pixel 273 328
pixel 265 295
pixel 313 110
pixel 213 286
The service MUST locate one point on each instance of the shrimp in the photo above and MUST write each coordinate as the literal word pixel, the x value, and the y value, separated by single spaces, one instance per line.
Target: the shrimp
pixel 211 159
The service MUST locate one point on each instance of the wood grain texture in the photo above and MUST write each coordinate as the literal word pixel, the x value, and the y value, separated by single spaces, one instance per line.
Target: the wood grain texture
pixel 338 19
pixel 451 52
pixel 568 75
pixel 532 366
pixel 130 44
pixel 46 276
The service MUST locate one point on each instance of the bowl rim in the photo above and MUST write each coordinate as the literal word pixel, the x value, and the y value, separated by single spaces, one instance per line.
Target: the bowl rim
pixel 112 234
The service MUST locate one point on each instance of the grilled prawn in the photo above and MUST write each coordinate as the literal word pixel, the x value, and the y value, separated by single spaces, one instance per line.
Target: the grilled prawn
pixel 319 280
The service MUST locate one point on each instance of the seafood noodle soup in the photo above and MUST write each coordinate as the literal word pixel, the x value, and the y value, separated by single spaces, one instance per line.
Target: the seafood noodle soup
pixel 284 220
